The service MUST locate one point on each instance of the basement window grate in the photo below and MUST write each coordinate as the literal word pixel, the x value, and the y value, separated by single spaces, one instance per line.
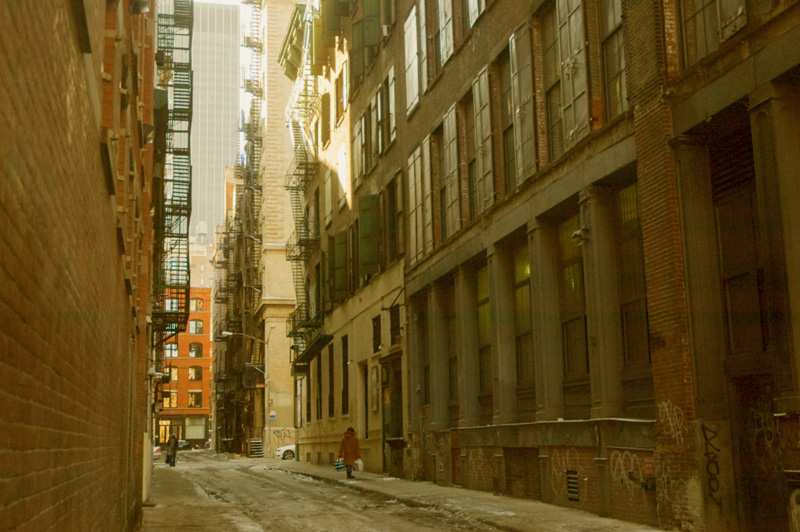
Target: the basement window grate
pixel 572 486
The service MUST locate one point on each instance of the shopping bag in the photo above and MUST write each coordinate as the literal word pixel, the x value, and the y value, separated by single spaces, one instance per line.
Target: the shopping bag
pixel 338 464
pixel 358 465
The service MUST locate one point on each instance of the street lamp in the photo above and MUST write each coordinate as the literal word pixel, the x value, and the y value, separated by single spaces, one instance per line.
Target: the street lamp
pixel 265 372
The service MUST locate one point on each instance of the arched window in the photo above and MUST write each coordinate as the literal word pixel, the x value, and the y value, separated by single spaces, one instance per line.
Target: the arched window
pixel 195 373
pixel 196 350
pixel 196 305
pixel 196 327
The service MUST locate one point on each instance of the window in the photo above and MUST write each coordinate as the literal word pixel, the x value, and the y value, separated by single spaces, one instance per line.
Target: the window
pixel 331 408
pixel 376 334
pixel 328 191
pixel 393 219
pixel 507 121
pixel 415 230
pixel 195 305
pixel 552 84
pixel 357 148
pixel 170 399
pixel 195 400
pixel 485 345
pixel 424 354
pixel 319 388
pixel 613 57
pixel 195 373
pixel 369 234
pixel 171 305
pixel 471 154
pixel 631 279
pixel 196 327
pixel 171 351
pixel 522 316
pixel 345 378
pixel 352 258
pixel 173 374
pixel 573 319
pixel 195 350
pixel 474 9
pixel 308 398
pixel 341 173
pixel 521 70
pixel 365 36
pixel 699 29
pixel 394 324
pixel 195 428
pixel 411 60
pixel 566 31
pixel 452 204
pixel 483 141
pixel 443 36
pixel 325 123
pixel 340 93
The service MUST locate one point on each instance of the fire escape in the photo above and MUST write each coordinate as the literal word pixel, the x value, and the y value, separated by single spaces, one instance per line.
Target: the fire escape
pixel 172 187
pixel 239 291
pixel 296 60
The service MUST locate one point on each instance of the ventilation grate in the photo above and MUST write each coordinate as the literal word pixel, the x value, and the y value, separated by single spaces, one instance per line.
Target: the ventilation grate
pixel 572 486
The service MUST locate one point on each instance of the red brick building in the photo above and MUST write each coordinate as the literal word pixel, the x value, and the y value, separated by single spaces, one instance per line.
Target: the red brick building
pixel 76 268
pixel 185 408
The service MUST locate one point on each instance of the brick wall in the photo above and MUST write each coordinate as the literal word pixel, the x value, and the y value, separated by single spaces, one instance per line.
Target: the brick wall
pixel 74 278
pixel 523 475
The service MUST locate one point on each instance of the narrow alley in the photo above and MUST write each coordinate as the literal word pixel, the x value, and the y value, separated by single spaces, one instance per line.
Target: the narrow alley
pixel 208 491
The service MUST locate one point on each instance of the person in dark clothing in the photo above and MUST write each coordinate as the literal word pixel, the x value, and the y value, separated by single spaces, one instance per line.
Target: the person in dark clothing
pixel 348 450
pixel 172 450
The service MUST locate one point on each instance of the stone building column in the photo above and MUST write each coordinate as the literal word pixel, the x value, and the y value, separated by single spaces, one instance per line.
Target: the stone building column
pixel 414 369
pixel 468 365
pixel 547 348
pixel 775 122
pixel 703 285
pixel 601 275
pixel 439 363
pixel 501 298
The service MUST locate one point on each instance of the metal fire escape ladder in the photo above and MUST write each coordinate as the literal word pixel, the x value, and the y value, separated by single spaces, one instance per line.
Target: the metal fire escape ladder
pixel 172 194
pixel 301 109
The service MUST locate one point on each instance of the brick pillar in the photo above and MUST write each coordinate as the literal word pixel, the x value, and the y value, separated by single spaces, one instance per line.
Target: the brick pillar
pixel 439 363
pixel 467 327
pixel 501 295
pixel 601 276
pixel 547 349
pixel 651 52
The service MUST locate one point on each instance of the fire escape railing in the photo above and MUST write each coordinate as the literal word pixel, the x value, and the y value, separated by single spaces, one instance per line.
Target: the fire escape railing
pixel 300 110
pixel 172 190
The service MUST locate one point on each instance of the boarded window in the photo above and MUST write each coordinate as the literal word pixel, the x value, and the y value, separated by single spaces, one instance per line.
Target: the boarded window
pixel 445 29
pixel 571 40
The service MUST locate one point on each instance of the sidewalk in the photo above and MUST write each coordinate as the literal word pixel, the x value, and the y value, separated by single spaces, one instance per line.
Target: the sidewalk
pixel 505 513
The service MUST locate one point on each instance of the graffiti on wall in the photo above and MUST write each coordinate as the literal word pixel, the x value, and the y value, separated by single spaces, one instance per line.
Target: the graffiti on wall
pixel 765 442
pixel 476 464
pixel 674 421
pixel 281 436
pixel 711 450
pixel 670 493
pixel 626 469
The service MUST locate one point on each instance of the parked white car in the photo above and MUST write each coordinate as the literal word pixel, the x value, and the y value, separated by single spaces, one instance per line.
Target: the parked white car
pixel 286 452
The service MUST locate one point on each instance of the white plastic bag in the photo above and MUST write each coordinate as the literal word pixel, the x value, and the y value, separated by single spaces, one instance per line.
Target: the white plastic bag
pixel 358 465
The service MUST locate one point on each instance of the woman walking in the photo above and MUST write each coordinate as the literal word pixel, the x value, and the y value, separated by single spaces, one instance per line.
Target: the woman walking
pixel 348 450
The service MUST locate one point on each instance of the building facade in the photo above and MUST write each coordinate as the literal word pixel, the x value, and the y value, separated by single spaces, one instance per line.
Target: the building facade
pixel 254 388
pixel 79 177
pixel 185 407
pixel 215 53
pixel 592 215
